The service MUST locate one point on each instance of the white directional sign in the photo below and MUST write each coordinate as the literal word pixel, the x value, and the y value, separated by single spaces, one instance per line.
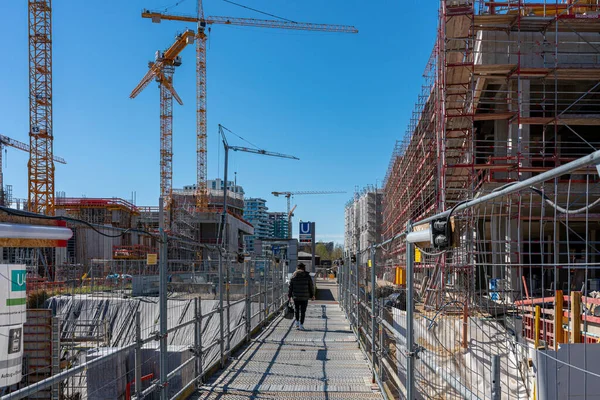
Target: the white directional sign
pixel 305 234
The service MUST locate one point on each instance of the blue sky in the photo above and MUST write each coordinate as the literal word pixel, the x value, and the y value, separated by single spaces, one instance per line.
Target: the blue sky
pixel 336 101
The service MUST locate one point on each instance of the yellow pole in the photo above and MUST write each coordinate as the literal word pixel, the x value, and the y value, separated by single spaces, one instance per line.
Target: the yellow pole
pixel 558 318
pixel 575 322
pixel 538 313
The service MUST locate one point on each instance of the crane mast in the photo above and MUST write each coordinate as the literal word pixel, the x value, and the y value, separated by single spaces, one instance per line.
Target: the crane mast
pixel 162 71
pixel 227 147
pixel 41 165
pixel 202 23
pixel 201 129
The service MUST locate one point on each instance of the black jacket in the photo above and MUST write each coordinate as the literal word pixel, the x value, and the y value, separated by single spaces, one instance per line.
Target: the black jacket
pixel 301 286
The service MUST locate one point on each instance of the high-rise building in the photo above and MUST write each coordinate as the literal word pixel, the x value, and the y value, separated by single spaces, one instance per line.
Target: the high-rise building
pixel 279 226
pixel 255 212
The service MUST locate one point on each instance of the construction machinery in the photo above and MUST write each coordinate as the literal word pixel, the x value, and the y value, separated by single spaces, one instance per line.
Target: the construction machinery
pixel 288 196
pixel 5 141
pixel 228 147
pixel 202 24
pixel 41 165
pixel 162 70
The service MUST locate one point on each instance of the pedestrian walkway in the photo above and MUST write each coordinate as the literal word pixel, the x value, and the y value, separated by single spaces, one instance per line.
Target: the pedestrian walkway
pixel 323 362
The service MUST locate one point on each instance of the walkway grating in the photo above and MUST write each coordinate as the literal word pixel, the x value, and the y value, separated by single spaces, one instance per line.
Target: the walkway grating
pixel 323 362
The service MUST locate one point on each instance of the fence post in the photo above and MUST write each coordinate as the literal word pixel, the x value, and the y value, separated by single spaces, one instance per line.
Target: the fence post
pixel 227 287
pixel 198 335
pixel 338 276
pixel 380 359
pixel 558 319
pixel 248 303
pixel 465 338
pixel 575 317
pixel 373 289
pixel 496 390
pixel 163 305
pixel 410 306
pixel 348 274
pixel 273 284
pixel 357 302
pixel 221 333
pixel 265 293
pixel 138 356
pixel 258 275
pixel 536 333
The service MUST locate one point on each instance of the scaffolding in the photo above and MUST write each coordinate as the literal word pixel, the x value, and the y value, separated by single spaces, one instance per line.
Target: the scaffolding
pixel 510 91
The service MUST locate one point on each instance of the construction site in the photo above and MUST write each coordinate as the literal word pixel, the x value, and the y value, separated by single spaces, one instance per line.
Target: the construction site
pixel 507 112
pixel 471 272
pixel 103 298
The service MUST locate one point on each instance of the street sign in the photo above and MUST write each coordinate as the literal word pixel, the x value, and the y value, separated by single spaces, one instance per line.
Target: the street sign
pixel 276 249
pixel 305 234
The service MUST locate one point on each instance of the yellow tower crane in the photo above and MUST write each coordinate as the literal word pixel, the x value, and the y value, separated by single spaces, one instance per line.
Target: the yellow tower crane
pixel 41 136
pixel 202 23
pixel 162 70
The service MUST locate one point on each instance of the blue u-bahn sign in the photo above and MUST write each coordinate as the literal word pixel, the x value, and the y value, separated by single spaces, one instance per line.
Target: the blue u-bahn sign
pixel 305 232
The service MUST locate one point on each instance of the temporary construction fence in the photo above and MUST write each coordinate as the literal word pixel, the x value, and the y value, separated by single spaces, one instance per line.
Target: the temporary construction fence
pixel 508 311
pixel 114 328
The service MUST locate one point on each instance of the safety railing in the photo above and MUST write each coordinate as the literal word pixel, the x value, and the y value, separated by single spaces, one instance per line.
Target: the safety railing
pixel 159 331
pixel 477 314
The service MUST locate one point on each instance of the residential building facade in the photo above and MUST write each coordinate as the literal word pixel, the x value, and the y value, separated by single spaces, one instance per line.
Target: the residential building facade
pixel 255 212
pixel 363 220
pixel 278 225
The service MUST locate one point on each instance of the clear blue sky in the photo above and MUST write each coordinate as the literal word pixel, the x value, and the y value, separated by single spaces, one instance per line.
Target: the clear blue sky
pixel 336 101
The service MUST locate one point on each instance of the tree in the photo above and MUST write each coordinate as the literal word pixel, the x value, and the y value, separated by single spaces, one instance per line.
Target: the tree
pixel 321 251
pixel 338 252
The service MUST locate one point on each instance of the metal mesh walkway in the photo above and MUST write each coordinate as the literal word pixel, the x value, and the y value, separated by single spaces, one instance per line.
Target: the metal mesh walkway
pixel 323 362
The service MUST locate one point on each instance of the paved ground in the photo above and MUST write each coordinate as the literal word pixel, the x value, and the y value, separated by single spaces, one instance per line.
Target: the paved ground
pixel 323 362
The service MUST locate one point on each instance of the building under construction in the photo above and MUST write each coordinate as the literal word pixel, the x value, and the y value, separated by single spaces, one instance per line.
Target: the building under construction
pixel 363 220
pixel 511 92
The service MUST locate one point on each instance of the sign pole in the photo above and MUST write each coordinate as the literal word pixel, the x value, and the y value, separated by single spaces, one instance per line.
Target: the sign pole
pixel 313 241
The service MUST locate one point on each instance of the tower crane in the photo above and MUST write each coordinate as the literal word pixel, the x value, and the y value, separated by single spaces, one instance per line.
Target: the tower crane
pixel 202 24
pixel 228 147
pixel 8 142
pixel 41 136
pixel 288 195
pixel 162 70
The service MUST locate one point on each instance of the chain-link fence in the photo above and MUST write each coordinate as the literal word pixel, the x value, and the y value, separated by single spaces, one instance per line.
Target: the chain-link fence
pixel 508 311
pixel 106 318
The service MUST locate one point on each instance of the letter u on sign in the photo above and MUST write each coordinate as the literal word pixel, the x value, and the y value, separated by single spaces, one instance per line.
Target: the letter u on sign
pixel 18 281
pixel 305 227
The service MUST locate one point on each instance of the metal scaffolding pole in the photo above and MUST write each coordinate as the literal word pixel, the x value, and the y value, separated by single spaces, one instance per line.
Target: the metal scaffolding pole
pixel 163 304
pixel 410 306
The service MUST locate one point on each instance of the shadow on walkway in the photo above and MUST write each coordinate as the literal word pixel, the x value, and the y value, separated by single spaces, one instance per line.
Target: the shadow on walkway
pixel 327 290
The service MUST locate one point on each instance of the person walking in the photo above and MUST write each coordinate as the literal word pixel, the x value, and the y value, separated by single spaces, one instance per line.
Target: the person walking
pixel 301 290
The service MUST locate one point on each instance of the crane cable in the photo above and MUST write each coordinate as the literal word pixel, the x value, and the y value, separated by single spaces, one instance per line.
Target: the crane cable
pixel 260 12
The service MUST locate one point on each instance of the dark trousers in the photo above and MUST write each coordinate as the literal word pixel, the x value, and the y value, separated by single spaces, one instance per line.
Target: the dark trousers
pixel 300 308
